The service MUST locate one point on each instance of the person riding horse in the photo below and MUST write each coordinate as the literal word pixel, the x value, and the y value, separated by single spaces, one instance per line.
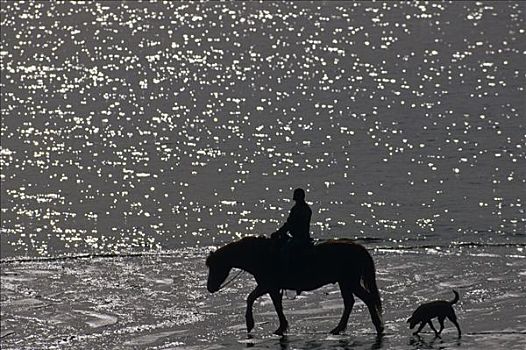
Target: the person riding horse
pixel 295 232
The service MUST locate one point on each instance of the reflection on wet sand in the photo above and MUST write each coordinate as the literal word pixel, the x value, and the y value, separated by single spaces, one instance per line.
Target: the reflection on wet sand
pixel 161 302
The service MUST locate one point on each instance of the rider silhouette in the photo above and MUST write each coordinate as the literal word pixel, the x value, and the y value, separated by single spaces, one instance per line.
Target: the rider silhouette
pixel 295 233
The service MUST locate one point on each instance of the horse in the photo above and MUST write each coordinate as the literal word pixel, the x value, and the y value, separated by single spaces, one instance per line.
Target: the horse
pixel 334 261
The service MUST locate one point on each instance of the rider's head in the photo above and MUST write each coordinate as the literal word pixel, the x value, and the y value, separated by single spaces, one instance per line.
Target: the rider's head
pixel 299 195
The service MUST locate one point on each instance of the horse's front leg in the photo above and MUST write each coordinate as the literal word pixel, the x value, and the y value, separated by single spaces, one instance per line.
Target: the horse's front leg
pixel 276 300
pixel 249 317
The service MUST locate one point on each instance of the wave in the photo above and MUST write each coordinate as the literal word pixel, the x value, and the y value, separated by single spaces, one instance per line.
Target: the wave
pixel 177 253
pixel 87 256
pixel 451 245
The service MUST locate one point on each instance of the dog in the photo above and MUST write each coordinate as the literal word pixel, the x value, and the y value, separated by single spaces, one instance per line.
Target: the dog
pixel 440 309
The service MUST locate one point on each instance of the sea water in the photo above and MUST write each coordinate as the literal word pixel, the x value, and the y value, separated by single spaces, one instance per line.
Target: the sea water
pixel 159 125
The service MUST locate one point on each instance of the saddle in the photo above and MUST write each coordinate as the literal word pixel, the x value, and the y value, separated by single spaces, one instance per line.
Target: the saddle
pixel 294 259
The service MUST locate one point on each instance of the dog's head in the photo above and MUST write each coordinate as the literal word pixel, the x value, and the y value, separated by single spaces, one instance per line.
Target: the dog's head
pixel 412 322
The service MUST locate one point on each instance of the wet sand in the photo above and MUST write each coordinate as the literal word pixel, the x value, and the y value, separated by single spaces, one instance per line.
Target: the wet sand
pixel 159 301
pixel 182 124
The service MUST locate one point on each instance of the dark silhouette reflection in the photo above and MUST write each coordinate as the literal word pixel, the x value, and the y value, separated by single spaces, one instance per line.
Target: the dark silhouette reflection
pixel 345 344
pixel 378 343
pixel 284 343
pixel 354 343
pixel 419 342
pixel 250 345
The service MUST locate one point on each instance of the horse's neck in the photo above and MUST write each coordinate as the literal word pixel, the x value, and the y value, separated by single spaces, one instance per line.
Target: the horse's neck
pixel 244 256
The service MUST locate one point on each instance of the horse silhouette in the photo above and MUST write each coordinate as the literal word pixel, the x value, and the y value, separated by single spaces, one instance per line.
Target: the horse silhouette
pixel 342 261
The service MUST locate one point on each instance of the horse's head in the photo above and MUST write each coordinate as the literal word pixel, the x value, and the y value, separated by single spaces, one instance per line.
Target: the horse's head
pixel 218 271
pixel 412 322
pixel 241 254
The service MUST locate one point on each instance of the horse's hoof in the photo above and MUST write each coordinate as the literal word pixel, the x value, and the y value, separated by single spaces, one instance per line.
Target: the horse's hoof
pixel 281 331
pixel 336 331
pixel 249 320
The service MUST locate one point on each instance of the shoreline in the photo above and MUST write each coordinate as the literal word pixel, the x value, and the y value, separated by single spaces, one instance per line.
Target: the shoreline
pixel 172 252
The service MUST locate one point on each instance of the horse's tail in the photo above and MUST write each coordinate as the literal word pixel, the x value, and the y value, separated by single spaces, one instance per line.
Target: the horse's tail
pixel 369 280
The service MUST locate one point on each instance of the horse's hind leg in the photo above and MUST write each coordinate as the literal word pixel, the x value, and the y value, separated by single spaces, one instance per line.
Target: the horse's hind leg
pixel 348 302
pixel 368 299
pixel 276 300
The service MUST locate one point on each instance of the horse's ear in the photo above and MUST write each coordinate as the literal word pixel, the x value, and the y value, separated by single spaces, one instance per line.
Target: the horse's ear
pixel 210 253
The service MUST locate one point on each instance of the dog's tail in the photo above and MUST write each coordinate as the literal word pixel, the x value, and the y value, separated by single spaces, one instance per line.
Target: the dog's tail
pixel 454 301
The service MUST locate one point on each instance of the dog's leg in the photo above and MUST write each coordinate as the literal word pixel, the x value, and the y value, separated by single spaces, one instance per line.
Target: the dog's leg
pixel 348 302
pixel 256 293
pixel 367 298
pixel 441 321
pixel 433 328
pixel 453 319
pixel 420 328
pixel 276 297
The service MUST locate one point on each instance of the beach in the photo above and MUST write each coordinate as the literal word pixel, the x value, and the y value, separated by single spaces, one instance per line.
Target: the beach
pixel 160 301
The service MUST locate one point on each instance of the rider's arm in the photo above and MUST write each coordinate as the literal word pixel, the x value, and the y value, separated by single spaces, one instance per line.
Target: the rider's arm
pixel 288 224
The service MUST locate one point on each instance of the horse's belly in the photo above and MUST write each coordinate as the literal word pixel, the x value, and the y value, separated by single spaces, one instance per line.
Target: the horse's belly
pixel 307 284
